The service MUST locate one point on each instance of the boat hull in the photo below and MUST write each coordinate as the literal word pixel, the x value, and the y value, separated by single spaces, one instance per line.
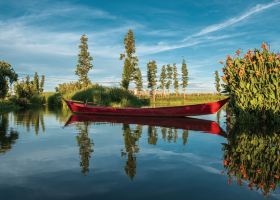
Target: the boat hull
pixel 175 111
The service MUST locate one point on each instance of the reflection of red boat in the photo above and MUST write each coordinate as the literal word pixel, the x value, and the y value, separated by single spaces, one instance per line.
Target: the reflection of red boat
pixel 178 123
pixel 176 111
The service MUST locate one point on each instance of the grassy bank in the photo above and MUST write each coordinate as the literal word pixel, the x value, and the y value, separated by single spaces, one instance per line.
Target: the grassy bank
pixel 14 103
pixel 99 95
pixel 177 100
pixel 7 105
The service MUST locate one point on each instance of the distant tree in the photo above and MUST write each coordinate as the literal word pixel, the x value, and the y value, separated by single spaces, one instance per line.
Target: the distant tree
pixel 36 84
pixel 130 60
pixel 138 80
pixel 185 77
pixel 7 75
pixel 217 82
pixel 175 79
pixel 152 76
pixel 84 62
pixel 169 78
pixel 162 79
pixel 42 83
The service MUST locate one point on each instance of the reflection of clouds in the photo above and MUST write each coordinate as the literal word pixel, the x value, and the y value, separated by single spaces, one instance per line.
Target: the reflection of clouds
pixel 184 157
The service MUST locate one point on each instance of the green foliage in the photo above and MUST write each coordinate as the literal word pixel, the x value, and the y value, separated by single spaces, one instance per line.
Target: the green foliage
pixel 27 88
pixel 130 60
pixel 29 92
pixel 7 75
pixel 84 62
pixel 252 156
pixel 175 79
pixel 7 105
pixel 65 88
pixel 54 100
pixel 152 75
pixel 138 80
pixel 185 75
pixel 162 79
pixel 36 84
pixel 42 83
pixel 98 94
pixel 252 82
pixel 217 82
pixel 188 99
pixel 169 77
pixel 108 96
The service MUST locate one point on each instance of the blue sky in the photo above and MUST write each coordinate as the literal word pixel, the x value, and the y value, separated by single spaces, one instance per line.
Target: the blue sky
pixel 44 35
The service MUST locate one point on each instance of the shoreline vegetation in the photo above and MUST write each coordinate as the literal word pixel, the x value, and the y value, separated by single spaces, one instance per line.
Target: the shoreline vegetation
pixel 250 80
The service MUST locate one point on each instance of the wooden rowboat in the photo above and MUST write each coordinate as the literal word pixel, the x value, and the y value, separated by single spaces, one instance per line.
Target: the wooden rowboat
pixel 175 111
pixel 185 123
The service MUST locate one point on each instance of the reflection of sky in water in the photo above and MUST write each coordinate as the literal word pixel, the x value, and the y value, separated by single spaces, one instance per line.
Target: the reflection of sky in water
pixel 47 166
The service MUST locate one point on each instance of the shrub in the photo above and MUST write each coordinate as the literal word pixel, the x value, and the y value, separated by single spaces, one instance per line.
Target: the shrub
pixel 54 100
pixel 252 81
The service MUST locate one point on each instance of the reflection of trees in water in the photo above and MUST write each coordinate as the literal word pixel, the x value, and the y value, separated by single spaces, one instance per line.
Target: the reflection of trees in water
pixel 171 135
pixel 7 136
pixel 252 157
pixel 131 138
pixel 85 145
pixel 152 135
pixel 185 136
pixel 30 118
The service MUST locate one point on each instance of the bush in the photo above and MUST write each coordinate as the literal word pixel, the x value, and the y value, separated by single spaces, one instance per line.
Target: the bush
pixel 54 100
pixel 252 81
pixel 108 96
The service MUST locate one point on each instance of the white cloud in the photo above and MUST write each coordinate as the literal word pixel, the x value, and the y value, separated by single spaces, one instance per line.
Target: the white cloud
pixel 216 27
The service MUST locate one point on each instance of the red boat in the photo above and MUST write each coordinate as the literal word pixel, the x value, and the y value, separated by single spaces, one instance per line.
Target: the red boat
pixel 175 111
pixel 178 123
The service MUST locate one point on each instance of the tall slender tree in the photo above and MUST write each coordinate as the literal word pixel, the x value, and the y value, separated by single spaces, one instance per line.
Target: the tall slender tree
pixel 138 80
pixel 84 62
pixel 7 75
pixel 36 84
pixel 152 77
pixel 175 79
pixel 217 82
pixel 162 79
pixel 130 60
pixel 42 83
pixel 185 77
pixel 169 78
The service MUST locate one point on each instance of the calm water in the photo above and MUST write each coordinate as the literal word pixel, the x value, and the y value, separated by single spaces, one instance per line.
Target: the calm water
pixel 107 158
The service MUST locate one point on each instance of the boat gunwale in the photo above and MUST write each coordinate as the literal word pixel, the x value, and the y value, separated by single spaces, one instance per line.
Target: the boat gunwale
pixel 134 108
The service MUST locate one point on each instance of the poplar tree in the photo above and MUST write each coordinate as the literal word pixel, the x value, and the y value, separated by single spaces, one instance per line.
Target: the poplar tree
pixel 138 80
pixel 175 79
pixel 152 76
pixel 185 77
pixel 84 62
pixel 162 79
pixel 217 82
pixel 36 85
pixel 42 83
pixel 169 78
pixel 130 60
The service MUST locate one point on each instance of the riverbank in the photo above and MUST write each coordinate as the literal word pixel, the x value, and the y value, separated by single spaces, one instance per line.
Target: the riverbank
pixel 189 99
pixel 7 105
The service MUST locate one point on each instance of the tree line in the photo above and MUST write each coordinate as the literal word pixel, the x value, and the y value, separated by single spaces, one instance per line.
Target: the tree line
pixel 132 72
pixel 26 88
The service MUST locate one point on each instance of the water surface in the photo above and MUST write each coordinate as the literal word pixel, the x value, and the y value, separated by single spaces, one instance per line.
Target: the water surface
pixel 40 158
